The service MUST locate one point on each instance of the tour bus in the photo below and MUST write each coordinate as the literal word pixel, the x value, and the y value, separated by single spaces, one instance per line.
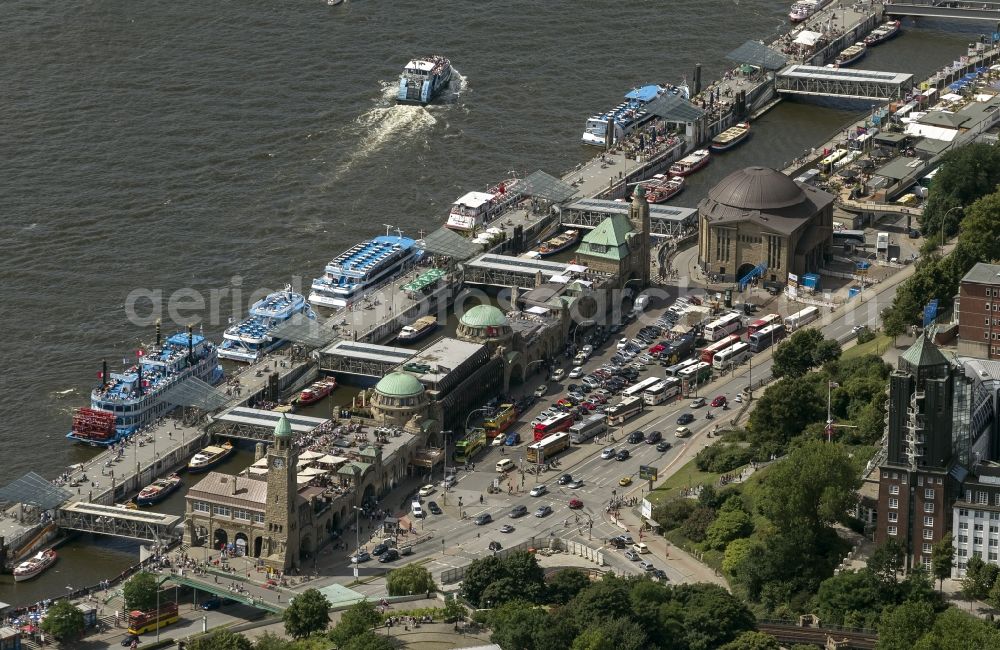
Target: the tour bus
pixel 140 622
pixel 501 420
pixel 466 448
pixel 639 388
pixel 708 353
pixel 662 391
pixel 761 323
pixel 555 423
pixel 592 425
pixel 724 326
pixel 764 338
pixel 698 373
pixel 675 369
pixel 625 409
pixel 800 318
pixel 545 449
pixel 734 355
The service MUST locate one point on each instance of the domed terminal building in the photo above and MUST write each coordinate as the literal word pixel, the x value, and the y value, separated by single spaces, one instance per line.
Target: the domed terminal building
pixel 398 397
pixel 759 221
pixel 485 324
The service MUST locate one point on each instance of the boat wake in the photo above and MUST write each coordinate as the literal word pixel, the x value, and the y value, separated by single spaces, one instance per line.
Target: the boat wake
pixel 382 126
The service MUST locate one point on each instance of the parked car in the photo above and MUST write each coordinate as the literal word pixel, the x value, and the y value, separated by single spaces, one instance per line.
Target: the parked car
pixel 558 374
pixel 426 490
pixel 360 557
pixel 631 555
pixel 380 549
pixel 540 391
pixel 576 372
pixel 513 438
pixel 543 511
pixel 640 547
pixel 646 566
pixel 622 343
pixel 417 510
pixel 389 556
pixel 483 519
pixel 449 481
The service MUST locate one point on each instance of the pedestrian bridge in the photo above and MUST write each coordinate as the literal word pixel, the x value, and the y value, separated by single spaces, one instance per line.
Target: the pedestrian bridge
pixel 960 9
pixel 117 521
pixel 208 584
pixel 842 82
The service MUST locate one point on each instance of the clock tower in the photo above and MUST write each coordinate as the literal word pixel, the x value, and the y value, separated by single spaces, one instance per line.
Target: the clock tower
pixel 280 511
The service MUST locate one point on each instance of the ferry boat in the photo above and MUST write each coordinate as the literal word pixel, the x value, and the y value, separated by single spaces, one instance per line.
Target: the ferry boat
pixel 691 163
pixel 158 490
pixel 803 9
pixel 662 188
pixel 627 116
pixel 34 566
pixel 359 269
pixel 731 137
pixel 853 54
pixel 127 401
pixel 209 457
pixel 475 209
pixel 417 330
pixel 559 243
pixel 316 391
pixel 251 339
pixel 423 79
pixel 890 30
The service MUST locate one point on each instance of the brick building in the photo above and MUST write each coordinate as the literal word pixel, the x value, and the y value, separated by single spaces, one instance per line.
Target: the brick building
pixel 979 312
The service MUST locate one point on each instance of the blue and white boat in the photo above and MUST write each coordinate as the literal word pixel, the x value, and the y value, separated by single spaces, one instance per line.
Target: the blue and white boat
pixel 139 395
pixel 423 79
pixel 361 268
pixel 629 115
pixel 251 339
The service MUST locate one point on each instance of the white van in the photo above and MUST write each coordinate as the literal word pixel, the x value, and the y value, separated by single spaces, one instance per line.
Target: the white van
pixel 417 510
pixel 505 465
pixel 640 547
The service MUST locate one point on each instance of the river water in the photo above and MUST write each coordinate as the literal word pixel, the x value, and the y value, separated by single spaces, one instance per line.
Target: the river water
pixel 197 147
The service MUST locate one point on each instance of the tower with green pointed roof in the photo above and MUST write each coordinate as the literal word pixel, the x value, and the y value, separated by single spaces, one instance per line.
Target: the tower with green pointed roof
pixel 915 480
pixel 281 529
pixel 638 216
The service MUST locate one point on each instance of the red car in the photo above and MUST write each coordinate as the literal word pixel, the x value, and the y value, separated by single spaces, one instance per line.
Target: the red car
pixel 656 349
pixel 575 504
pixel 597 398
pixel 590 406
pixel 719 401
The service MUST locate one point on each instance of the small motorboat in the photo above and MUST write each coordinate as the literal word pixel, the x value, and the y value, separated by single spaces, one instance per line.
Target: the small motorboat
pixel 158 490
pixel 883 33
pixel 209 457
pixel 33 567
pixel 417 330
pixel 662 188
pixel 559 243
pixel 690 163
pixel 316 391
pixel 853 54
pixel 731 137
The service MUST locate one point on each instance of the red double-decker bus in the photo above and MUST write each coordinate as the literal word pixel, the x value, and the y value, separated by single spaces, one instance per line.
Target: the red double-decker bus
pixel 554 424
pixel 708 353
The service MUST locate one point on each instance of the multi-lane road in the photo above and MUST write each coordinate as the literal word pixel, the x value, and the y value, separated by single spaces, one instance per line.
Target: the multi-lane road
pixel 457 540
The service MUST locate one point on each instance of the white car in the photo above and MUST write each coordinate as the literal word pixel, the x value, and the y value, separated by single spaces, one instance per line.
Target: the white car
pixel 538 490
pixel 738 399
pixel 498 440
pixel 608 453
pixel 576 372
pixel 417 510
pixel 449 481
pixel 587 350
pixel 426 490
pixel 622 343
pixel 541 390
pixel 558 374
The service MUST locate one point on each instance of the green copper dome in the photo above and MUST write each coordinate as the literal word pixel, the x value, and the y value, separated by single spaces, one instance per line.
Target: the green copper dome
pixel 484 316
pixel 399 384
pixel 640 191
pixel 283 429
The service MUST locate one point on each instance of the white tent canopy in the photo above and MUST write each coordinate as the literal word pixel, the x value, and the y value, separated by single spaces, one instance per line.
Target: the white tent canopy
pixel 308 454
pixel 807 38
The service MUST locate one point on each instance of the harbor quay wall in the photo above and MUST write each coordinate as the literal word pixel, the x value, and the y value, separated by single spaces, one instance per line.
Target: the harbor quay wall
pixel 646 168
pixel 137 478
pixel 851 36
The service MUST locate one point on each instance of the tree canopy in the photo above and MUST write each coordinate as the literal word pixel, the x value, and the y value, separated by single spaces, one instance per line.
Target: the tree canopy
pixel 409 579
pixel 220 640
pixel 803 350
pixel 966 174
pixel 492 581
pixel 64 621
pixel 139 592
pixel 308 613
pixel 359 618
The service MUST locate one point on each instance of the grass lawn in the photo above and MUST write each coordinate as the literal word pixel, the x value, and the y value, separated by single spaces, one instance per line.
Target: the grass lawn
pixel 687 476
pixel 877 345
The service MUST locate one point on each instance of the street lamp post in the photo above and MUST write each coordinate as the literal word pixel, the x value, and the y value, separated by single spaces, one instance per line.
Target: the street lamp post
pixel 444 439
pixel 945 218
pixel 357 541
